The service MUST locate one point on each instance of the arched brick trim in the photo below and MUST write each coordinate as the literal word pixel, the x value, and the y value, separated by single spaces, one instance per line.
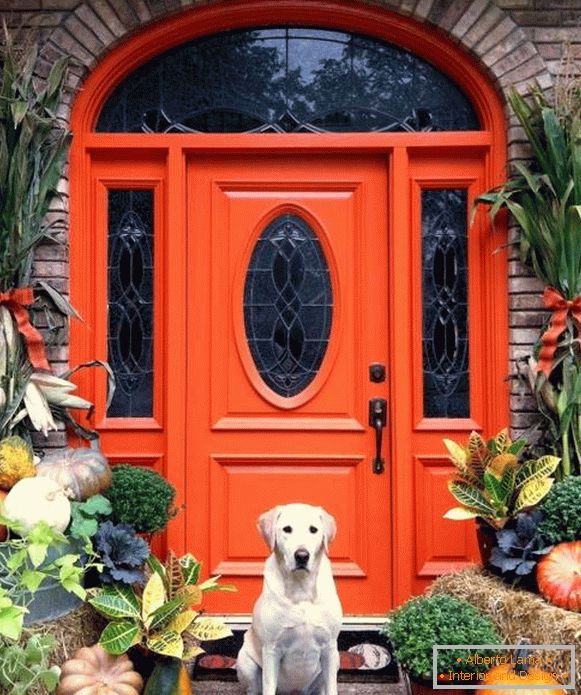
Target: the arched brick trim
pixel 489 34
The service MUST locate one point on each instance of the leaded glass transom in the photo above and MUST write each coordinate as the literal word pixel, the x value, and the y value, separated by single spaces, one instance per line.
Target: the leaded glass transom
pixel 288 305
pixel 445 303
pixel 286 80
pixel 130 294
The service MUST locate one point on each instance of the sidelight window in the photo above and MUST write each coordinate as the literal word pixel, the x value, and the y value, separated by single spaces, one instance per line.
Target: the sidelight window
pixel 445 303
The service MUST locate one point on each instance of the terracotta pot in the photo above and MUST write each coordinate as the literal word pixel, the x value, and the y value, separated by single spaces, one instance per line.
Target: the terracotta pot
pixel 486 537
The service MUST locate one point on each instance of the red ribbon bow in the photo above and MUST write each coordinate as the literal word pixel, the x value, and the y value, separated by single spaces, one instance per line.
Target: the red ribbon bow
pixel 561 308
pixel 15 300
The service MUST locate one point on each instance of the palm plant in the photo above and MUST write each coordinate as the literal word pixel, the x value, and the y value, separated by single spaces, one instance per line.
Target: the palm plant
pixel 544 198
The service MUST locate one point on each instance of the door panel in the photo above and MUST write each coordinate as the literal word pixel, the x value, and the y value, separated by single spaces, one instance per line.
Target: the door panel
pixel 248 447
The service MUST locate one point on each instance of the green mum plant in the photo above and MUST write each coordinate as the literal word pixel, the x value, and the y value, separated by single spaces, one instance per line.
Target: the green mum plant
pixel 421 622
pixel 161 617
pixel 561 511
pixel 492 483
pixel 140 497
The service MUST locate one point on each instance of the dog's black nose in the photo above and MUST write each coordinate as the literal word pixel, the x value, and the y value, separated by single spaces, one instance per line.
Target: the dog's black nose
pixel 302 557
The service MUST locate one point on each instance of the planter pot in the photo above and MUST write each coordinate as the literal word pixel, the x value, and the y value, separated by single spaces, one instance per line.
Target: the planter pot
pixel 50 601
pixel 170 677
pixel 424 687
pixel 486 537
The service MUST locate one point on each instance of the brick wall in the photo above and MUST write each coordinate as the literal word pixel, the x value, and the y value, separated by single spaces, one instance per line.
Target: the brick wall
pixel 517 41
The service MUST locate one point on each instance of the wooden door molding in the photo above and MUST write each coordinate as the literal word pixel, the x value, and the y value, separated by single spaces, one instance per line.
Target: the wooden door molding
pixel 250 454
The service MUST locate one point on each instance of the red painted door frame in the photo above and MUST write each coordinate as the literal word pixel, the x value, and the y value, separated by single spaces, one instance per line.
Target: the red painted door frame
pixel 416 160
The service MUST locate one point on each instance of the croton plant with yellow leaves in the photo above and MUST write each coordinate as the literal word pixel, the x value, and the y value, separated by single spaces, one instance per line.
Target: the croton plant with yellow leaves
pixel 164 617
pixel 492 482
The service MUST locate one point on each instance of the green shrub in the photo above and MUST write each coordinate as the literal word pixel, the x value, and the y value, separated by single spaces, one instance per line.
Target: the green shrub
pixel 562 511
pixel 141 498
pixel 420 623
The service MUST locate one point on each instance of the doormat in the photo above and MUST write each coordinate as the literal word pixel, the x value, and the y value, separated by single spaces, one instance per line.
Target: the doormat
pixel 365 656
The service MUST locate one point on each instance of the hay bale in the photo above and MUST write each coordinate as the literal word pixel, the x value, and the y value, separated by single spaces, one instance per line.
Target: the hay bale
pixel 80 628
pixel 517 613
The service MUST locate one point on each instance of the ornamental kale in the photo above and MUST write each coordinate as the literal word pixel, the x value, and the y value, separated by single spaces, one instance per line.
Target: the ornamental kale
pixel 122 554
pixel 520 545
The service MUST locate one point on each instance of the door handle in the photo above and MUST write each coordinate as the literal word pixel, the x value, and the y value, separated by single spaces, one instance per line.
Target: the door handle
pixel 378 420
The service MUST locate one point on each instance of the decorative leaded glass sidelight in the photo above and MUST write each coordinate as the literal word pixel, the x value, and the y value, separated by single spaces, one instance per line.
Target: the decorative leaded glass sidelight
pixel 288 305
pixel 130 294
pixel 445 303
pixel 286 80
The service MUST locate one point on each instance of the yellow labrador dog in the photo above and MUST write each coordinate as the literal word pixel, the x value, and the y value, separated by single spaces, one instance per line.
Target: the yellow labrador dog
pixel 291 646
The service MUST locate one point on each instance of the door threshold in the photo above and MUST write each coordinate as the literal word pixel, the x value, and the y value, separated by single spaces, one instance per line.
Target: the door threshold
pixel 350 622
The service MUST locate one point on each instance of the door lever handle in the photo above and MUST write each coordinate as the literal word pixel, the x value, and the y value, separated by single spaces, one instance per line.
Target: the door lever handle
pixel 378 420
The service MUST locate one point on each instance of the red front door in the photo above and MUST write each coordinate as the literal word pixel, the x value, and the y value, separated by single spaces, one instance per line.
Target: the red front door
pixel 268 423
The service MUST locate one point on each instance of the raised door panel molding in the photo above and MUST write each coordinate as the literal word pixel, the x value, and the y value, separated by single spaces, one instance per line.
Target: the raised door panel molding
pixel 441 545
pixel 266 481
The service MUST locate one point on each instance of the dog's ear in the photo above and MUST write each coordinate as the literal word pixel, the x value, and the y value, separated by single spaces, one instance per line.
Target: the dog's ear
pixel 329 528
pixel 267 526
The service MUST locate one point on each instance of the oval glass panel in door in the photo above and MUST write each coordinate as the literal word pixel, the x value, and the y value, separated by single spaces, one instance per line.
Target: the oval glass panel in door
pixel 288 305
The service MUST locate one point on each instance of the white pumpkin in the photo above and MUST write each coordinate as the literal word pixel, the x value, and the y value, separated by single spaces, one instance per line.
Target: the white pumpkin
pixel 32 500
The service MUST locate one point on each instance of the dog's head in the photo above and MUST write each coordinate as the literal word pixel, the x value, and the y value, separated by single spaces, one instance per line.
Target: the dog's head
pixel 298 532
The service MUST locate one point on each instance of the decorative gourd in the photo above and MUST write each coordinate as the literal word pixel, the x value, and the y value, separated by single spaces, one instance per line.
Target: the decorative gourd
pixel 3 530
pixel 505 675
pixel 559 576
pixel 38 499
pixel 16 461
pixel 169 677
pixel 80 472
pixel 92 671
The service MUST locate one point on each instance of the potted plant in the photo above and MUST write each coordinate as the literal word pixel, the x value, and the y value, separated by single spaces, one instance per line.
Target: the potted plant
pixel 422 622
pixel 163 619
pixel 40 578
pixel 561 511
pixel 544 199
pixel 141 498
pixel 519 547
pixel 493 485
pixel 42 571
pixel 48 549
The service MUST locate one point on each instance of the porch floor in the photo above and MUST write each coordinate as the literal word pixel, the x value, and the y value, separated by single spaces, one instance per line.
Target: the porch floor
pixel 229 688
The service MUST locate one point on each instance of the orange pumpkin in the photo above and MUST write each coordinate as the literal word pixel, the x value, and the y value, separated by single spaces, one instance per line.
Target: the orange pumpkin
pixel 510 674
pixel 559 576
pixel 3 530
pixel 80 472
pixel 92 671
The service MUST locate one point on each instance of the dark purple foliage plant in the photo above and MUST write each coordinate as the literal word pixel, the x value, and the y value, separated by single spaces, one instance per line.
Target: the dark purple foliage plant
pixel 122 554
